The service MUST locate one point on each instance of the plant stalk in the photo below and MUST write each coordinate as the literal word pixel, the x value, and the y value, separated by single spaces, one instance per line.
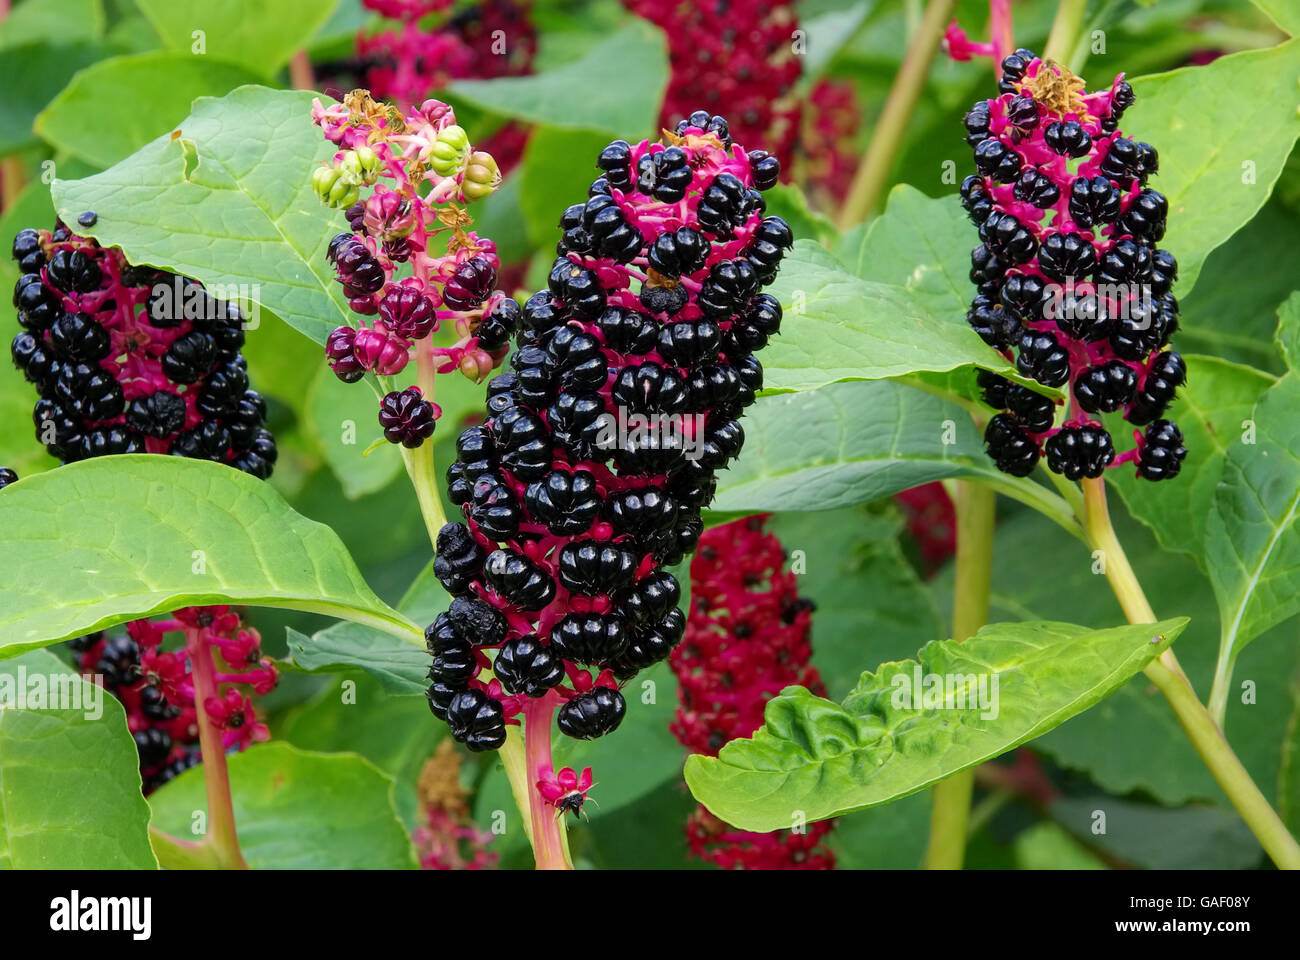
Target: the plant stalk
pixel 975 508
pixel 873 172
pixel 419 462
pixel 221 834
pixel 550 848
pixel 1002 33
pixel 1168 676
pixel 1066 28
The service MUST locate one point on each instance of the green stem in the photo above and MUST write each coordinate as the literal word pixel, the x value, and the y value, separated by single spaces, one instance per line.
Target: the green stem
pixel 419 462
pixel 176 854
pixel 975 509
pixel 1067 26
pixel 873 173
pixel 1218 703
pixel 221 833
pixel 1168 676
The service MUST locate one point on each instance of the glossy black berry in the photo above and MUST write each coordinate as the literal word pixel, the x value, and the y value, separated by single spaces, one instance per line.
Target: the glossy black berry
pixel 975 199
pixel 567 502
pixel 1129 160
pixel 1067 137
pixel 1093 201
pixel 1011 448
pixel 1013 69
pixel 1162 451
pixel 1037 188
pixel 1008 238
pixel 590 568
pixel 1033 411
pixel 458 560
pixel 722 206
pixel 1167 373
pixel 592 714
pixel 160 414
pixel 997 327
pixel 27 251
pixel 1079 452
pixel 189 357
pixel 1145 217
pixel 976 122
pixel 519 580
pixel 77 336
pixel 73 272
pixel 764 169
pixel 995 159
pixel 1105 388
pixel 470 285
pixel 1065 255
pixel 589 637
pixel 616 161
pixel 525 666
pixel 7 476
pixel 497 327
pixel 476 720
pixel 1043 358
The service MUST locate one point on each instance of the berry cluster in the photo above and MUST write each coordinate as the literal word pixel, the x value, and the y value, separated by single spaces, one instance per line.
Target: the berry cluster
pixel 602 442
pixel 1069 274
pixel 154 681
pixel 828 154
pixel 735 57
pixel 747 638
pixel 131 359
pixel 393 230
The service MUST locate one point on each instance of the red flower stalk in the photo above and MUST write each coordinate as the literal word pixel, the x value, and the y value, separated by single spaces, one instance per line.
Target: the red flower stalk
pixel 747 638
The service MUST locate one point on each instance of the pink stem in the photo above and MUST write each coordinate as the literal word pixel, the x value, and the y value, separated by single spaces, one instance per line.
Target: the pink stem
pixel 221 812
pixel 548 841
pixel 1003 33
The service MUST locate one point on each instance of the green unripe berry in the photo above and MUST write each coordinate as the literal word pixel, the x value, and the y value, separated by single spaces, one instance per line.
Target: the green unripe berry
pixel 449 151
pixel 361 165
pixel 482 176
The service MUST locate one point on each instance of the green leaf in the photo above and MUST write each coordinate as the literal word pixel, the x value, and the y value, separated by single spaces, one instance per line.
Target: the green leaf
pixel 297 810
pixel 838 326
pixel 1282 12
pixel 58 21
pixel 848 443
pixel 824 759
pixel 341 418
pixel 399 666
pixel 1211 139
pixel 615 88
pixel 1252 546
pixel 1194 837
pixel 1263 250
pixel 30 76
pixel 117 538
pixel 850 564
pixel 69 778
pixel 230 202
pixel 261 36
pixel 921 244
pixel 787 201
pixel 550 179
pixel 1210 411
pixel 1046 846
pixel 1132 741
pixel 394 734
pixel 102 131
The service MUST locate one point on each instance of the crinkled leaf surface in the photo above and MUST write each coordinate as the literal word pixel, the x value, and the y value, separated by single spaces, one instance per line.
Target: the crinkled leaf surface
pixel 824 759
pixel 228 201
pixel 116 538
pixel 69 781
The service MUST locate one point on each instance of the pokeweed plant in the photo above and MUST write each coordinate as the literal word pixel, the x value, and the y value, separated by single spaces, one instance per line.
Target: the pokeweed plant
pixel 551 605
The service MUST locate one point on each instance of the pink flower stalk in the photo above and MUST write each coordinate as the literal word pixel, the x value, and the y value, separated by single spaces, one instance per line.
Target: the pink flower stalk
pixel 156 685
pixel 747 638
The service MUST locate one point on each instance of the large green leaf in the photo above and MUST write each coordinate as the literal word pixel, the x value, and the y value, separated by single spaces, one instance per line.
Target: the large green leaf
pixel 393 733
pixel 1132 741
pixel 399 666
pixel 228 202
pixel 838 326
pixel 296 810
pixel 61 21
pixel 69 778
pixel 824 759
pixel 1282 12
pixel 116 538
pixel 615 88
pixel 848 443
pixel 551 179
pixel 342 420
pixel 103 130
pixel 1252 540
pixel 262 36
pixel 1210 410
pixel 30 76
pixel 1212 139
